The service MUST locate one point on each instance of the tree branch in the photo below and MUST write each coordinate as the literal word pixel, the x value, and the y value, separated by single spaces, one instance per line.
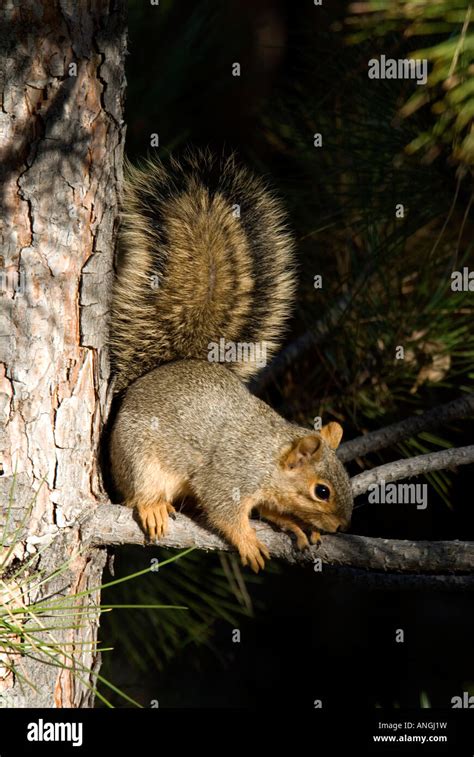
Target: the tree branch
pixel 115 525
pixel 385 437
pixel 412 466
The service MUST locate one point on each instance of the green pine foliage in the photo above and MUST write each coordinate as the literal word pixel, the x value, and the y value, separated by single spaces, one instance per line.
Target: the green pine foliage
pixel 443 33
pixel 383 226
pixel 210 587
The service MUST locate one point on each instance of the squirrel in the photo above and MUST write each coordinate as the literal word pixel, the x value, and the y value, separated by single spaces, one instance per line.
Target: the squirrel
pixel 206 267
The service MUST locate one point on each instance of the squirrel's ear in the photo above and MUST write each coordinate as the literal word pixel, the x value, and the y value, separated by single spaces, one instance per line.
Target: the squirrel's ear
pixel 303 449
pixel 332 434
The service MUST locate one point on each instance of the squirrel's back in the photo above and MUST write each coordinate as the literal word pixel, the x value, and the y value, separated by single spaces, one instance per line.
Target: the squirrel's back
pixel 205 262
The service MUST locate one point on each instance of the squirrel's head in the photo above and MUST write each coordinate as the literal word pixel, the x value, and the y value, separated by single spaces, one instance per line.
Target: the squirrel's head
pixel 316 482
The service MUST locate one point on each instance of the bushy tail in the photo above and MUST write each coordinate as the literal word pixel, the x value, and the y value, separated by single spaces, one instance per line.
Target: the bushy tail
pixel 205 268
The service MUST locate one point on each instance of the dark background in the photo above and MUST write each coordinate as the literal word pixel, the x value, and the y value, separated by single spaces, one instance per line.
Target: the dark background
pixel 308 635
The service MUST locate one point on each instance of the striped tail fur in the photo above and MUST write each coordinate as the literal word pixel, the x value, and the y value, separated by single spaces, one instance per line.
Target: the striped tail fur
pixel 205 268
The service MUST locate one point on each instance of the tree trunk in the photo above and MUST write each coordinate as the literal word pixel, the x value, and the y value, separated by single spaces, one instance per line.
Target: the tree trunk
pixel 61 139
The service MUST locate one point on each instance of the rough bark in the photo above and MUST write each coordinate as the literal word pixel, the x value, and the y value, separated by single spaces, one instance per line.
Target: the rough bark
pixel 61 139
pixel 114 524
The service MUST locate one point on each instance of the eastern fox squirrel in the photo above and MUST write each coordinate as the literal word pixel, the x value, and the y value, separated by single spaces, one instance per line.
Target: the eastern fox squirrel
pixel 206 260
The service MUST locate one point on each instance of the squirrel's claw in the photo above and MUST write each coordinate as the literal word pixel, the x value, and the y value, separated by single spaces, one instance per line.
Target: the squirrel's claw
pixel 315 538
pixel 302 541
pixel 153 518
pixel 253 554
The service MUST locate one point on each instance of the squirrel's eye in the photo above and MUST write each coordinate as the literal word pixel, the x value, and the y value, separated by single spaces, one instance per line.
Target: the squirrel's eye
pixel 322 492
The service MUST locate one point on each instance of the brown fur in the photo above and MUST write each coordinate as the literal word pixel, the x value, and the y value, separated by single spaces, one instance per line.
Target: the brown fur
pixel 188 427
pixel 192 428
pixel 217 275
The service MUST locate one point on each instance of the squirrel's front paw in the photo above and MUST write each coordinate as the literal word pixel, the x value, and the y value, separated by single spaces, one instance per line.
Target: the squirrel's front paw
pixel 252 553
pixel 315 538
pixel 153 518
pixel 302 542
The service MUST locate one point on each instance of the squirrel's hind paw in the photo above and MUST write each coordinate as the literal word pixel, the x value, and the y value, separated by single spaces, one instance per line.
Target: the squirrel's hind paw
pixel 153 518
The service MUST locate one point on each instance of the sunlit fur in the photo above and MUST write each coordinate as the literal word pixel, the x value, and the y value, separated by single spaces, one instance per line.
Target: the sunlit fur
pixel 191 272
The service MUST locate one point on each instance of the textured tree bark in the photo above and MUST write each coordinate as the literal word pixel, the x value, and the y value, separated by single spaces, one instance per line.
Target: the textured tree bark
pixel 61 140
pixel 114 525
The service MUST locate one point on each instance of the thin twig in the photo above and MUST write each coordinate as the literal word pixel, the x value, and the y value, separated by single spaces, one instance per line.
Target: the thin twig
pixel 461 232
pixel 412 466
pixel 460 44
pixel 450 213
pixel 386 437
